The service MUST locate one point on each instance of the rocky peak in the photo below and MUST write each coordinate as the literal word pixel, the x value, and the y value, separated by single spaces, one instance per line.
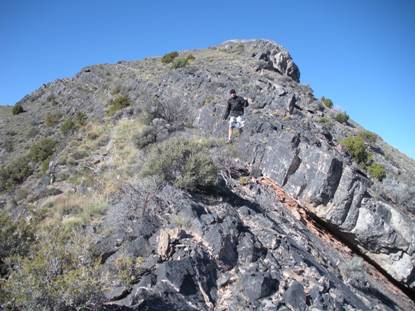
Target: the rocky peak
pixel 269 54
pixel 137 202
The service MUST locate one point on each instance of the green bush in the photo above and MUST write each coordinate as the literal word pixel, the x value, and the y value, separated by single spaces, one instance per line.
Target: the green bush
pixel 67 126
pixel 42 150
pixel 52 118
pixel 182 62
pixel 146 137
pixel 184 163
pixel 377 171
pixel 118 103
pixel 17 109
pixel 356 147
pixel 169 57
pixel 342 117
pixel 15 173
pixel 60 274
pixel 327 102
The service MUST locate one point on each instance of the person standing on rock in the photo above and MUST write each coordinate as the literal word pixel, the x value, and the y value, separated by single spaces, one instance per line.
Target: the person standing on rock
pixel 235 109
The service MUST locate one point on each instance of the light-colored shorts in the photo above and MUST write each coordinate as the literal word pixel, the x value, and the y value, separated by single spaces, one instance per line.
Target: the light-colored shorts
pixel 236 122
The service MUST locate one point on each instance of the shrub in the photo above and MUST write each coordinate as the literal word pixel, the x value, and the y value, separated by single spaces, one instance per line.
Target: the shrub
pixel 128 268
pixel 52 118
pixel 368 136
pixel 377 171
pixel 17 109
pixel 33 131
pixel 80 118
pixel 184 163
pixel 356 147
pixel 190 57
pixel 324 120
pixel 182 62
pixel 61 274
pixel 42 150
pixel 342 117
pixel 15 173
pixel 67 126
pixel 145 137
pixel 118 103
pixel 169 57
pixel 327 102
pixel 15 236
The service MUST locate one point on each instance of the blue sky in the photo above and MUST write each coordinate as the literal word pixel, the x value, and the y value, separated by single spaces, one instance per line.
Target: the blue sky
pixel 361 54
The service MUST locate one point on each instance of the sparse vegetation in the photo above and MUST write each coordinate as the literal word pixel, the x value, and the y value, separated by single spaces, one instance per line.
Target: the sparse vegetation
pixel 118 103
pixel 342 117
pixel 184 163
pixel 169 57
pixel 327 102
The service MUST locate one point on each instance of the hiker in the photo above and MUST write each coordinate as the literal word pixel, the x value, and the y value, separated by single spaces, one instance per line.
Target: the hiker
pixel 235 109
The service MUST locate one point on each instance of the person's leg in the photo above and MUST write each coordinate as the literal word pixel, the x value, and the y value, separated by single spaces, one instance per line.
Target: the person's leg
pixel 240 123
pixel 230 128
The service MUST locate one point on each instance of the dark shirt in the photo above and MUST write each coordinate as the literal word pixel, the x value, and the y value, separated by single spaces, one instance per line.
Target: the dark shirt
pixel 235 107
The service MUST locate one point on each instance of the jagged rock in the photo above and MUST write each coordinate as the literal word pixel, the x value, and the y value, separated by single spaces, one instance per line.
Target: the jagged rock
pixel 294 297
pixel 258 285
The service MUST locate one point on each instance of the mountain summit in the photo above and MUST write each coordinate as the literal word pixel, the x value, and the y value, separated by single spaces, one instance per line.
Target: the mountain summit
pixel 120 192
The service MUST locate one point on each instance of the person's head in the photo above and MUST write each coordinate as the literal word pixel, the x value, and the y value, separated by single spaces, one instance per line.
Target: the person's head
pixel 232 93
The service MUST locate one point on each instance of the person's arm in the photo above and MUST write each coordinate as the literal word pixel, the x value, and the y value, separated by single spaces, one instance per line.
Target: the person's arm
pixel 246 103
pixel 228 110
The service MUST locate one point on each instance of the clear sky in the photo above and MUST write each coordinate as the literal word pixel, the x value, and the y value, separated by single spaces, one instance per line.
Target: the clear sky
pixel 361 54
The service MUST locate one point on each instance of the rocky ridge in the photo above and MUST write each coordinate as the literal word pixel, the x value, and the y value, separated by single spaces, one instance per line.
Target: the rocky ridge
pixel 291 218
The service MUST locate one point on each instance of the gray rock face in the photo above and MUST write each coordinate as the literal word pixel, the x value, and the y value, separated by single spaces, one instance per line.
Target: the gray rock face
pixel 239 247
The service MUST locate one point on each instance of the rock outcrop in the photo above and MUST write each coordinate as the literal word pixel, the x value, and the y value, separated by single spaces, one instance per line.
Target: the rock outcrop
pixel 293 214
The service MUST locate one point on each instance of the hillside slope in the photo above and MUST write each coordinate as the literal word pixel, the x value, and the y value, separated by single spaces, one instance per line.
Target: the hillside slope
pixel 127 197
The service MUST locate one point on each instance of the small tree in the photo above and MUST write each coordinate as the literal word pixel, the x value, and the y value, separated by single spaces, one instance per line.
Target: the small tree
pixel 169 57
pixel 327 102
pixel 18 108
pixel 342 117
